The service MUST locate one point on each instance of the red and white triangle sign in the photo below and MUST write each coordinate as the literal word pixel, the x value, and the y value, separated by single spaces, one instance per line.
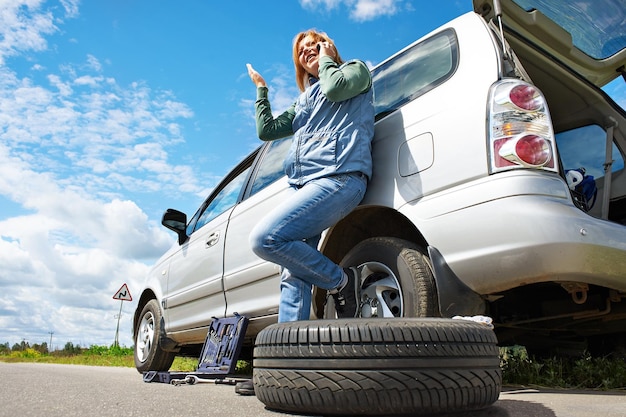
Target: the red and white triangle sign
pixel 123 294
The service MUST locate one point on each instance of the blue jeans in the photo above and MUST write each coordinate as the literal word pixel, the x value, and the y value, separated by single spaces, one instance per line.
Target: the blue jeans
pixel 289 235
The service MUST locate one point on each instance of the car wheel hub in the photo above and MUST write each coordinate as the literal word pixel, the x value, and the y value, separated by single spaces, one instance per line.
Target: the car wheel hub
pixel 381 293
pixel 145 336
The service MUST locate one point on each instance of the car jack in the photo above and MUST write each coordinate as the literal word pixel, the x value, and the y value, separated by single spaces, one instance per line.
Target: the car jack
pixel 218 359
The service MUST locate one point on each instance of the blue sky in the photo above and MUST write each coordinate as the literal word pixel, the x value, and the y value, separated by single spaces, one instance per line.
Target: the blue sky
pixel 112 111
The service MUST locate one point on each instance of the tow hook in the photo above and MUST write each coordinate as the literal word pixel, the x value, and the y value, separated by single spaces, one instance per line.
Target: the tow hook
pixel 577 290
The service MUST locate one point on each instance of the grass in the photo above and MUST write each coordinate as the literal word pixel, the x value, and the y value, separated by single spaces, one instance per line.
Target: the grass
pixel 602 373
pixel 518 368
pixel 102 356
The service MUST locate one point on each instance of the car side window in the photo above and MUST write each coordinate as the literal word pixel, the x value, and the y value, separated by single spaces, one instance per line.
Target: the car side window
pixel 585 147
pixel 222 201
pixel 271 166
pixel 414 72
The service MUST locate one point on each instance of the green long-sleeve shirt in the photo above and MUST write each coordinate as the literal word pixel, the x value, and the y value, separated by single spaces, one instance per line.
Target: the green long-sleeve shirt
pixel 338 83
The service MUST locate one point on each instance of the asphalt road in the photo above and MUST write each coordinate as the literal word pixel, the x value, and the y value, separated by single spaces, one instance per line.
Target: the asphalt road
pixel 46 390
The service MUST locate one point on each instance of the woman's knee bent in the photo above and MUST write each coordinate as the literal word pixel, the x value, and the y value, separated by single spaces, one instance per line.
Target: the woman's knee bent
pixel 262 241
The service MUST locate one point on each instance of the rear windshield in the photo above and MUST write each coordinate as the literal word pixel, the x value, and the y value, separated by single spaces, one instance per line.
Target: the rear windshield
pixel 414 72
pixel 598 27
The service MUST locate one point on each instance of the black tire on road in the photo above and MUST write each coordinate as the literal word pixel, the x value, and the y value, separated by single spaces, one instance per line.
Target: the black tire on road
pixel 148 353
pixel 417 366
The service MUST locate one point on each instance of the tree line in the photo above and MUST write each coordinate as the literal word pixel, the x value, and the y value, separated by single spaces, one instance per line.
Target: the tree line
pixel 42 348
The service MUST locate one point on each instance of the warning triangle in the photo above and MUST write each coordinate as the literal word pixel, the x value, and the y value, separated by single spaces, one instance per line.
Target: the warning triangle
pixel 123 294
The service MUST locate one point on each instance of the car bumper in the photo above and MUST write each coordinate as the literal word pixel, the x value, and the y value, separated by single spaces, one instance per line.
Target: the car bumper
pixel 519 229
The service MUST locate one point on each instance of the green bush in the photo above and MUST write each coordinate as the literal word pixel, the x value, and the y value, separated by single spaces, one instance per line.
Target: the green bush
pixel 518 368
pixel 28 353
pixel 601 373
pixel 113 350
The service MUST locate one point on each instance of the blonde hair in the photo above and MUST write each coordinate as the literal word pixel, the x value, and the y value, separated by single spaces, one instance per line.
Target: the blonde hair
pixel 302 76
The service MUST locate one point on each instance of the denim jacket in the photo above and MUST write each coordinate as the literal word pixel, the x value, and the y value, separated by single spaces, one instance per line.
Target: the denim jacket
pixel 329 137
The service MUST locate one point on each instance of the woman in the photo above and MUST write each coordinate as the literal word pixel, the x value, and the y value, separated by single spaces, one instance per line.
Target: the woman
pixel 328 167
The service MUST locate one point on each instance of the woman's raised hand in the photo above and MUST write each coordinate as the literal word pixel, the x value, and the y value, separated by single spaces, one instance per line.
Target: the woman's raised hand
pixel 256 78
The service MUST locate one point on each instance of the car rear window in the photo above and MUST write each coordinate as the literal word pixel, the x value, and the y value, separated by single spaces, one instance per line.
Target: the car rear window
pixel 598 27
pixel 414 72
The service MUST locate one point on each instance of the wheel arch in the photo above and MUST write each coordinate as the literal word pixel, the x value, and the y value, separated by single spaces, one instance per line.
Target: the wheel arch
pixel 164 341
pixel 363 223
pixel 454 297
pixel 146 296
pixel 366 222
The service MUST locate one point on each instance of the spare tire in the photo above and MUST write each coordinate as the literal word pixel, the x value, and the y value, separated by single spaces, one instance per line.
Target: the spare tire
pixel 393 366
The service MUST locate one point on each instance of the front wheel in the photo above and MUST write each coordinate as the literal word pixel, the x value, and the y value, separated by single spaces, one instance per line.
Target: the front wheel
pixel 396 280
pixel 148 354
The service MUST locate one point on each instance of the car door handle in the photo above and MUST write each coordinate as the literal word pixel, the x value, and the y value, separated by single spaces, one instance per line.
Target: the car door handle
pixel 212 239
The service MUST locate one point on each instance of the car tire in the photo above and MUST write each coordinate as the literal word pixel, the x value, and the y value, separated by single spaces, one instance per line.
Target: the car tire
pixel 416 366
pixel 396 280
pixel 148 354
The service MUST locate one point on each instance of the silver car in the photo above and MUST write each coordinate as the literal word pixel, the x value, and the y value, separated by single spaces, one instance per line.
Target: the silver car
pixel 499 188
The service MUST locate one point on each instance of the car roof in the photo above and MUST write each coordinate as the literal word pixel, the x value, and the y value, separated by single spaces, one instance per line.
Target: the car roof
pixel 588 36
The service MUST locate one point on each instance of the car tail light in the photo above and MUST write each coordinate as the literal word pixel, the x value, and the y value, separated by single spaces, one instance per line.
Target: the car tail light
pixel 520 129
pixel 526 97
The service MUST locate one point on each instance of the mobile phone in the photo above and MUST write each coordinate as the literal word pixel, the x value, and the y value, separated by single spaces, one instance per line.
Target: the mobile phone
pixel 318 47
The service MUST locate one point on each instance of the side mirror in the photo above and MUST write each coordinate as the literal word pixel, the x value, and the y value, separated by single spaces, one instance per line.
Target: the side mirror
pixel 177 222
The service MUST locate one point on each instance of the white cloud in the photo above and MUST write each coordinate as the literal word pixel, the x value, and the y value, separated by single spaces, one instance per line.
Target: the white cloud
pixel 327 4
pixel 23 27
pixel 364 10
pixel 94 63
pixel 359 10
pixel 72 246
pixel 88 80
pixel 283 89
pixel 77 153
pixel 64 88
pixel 71 7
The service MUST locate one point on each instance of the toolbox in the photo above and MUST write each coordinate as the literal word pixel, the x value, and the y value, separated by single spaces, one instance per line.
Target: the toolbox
pixel 219 355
